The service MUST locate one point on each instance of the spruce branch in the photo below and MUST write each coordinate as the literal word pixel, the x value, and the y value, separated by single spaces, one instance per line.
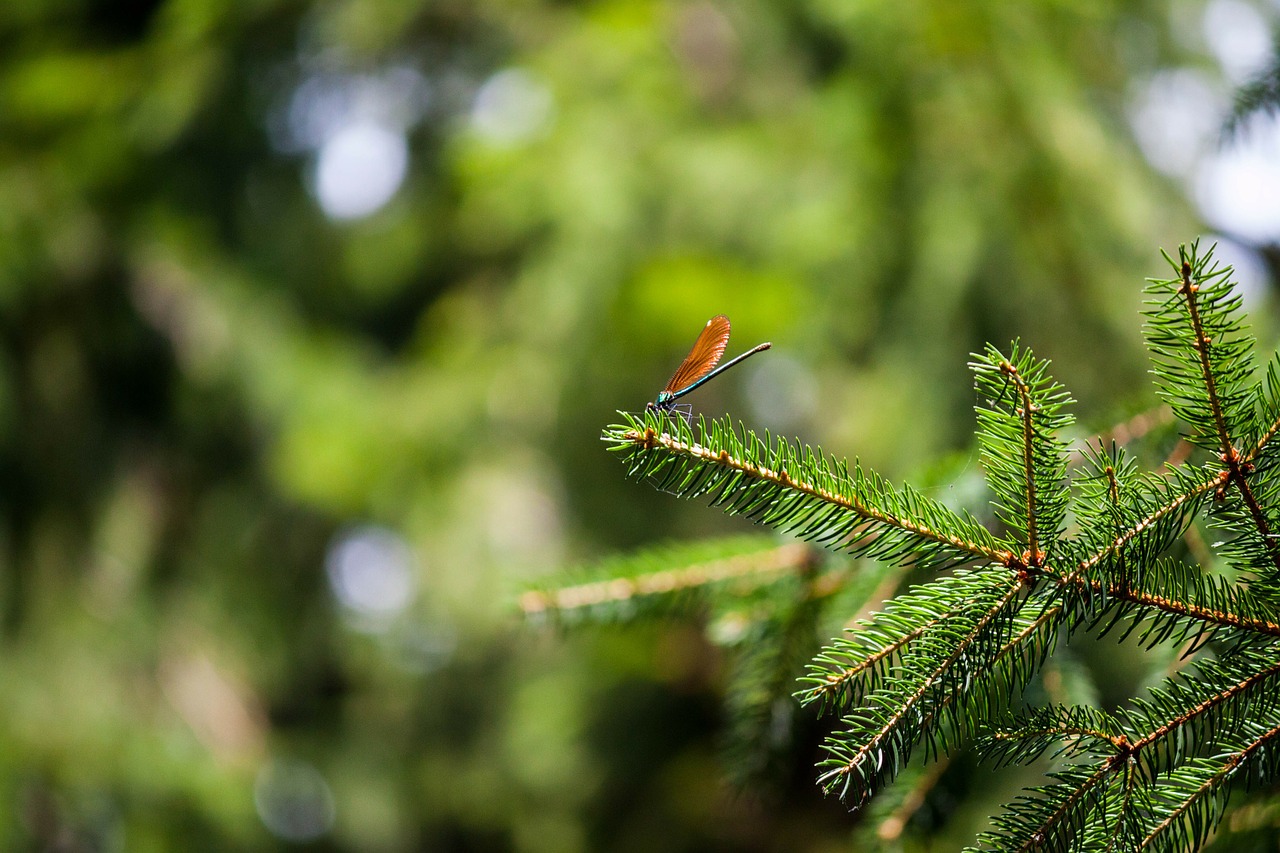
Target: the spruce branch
pixel 846 673
pixel 1189 291
pixel 760 713
pixel 871 653
pixel 1194 799
pixel 1054 817
pixel 1179 601
pixel 1019 431
pixel 634 578
pixel 1012 667
pixel 1067 732
pixel 877 738
pixel 1269 411
pixel 1128 520
pixel 1154 513
pixel 1187 714
pixel 1203 360
pixel 1201 356
pixel 798 490
pixel 1139 746
pixel 1087 541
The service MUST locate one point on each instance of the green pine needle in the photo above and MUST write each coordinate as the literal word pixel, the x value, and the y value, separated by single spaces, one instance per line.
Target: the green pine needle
pixel 1090 546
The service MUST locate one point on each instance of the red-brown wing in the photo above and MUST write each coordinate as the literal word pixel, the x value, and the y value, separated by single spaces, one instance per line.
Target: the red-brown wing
pixel 704 356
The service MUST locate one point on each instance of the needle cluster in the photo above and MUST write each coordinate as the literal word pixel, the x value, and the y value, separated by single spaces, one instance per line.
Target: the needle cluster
pixel 1083 541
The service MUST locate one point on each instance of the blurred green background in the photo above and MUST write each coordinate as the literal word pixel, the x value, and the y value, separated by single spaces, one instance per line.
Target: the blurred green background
pixel 311 314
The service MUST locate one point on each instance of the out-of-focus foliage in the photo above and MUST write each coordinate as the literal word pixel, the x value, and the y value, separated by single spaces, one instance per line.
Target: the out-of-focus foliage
pixel 310 313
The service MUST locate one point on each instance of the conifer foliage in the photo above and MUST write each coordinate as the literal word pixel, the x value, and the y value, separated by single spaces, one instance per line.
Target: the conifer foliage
pixel 1082 541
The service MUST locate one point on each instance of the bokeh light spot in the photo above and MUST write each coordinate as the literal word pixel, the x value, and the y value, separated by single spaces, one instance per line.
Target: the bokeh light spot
pixel 511 107
pixel 359 169
pixel 782 391
pixel 1238 187
pixel 1175 117
pixel 293 800
pixel 1238 37
pixel 370 573
pixel 1249 269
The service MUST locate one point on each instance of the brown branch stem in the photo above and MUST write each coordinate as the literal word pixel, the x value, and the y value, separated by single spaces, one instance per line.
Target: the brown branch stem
pixel 759 566
pixel 910 702
pixel 650 439
pixel 1027 409
pixel 1237 468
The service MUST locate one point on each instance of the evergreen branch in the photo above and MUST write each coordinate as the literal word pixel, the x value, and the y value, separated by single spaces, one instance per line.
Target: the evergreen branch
pixel 857 664
pixel 1240 478
pixel 758 567
pixel 1191 819
pixel 1074 730
pixel 1251 485
pixel 1062 811
pixel 1028 462
pixel 1136 517
pixel 1269 393
pixel 1178 505
pixel 1251 473
pixel 795 489
pixel 1022 453
pixel 1201 356
pixel 1015 647
pixel 1202 345
pixel 874 745
pixel 1153 513
pixel 1073 813
pixel 1011 668
pixel 1134 801
pixel 1249 544
pixel 1102 578
pixel 1195 798
pixel 852 667
pixel 1012 665
pixel 1185 610
pixel 1093 552
pixel 1112 494
pixel 760 714
pixel 847 684
pixel 1190 602
pixel 1231 697
pixel 1056 815
pixel 1257 548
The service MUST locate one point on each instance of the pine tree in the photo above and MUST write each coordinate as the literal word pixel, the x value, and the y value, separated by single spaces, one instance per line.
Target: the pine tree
pixel 1079 541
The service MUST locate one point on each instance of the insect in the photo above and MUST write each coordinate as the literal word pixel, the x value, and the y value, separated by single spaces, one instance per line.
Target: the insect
pixel 699 366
